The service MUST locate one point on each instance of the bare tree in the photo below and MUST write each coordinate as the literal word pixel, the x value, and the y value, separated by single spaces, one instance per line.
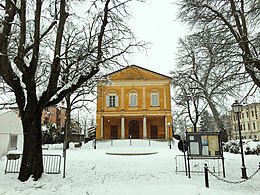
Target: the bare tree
pixel 238 20
pixel 32 53
pixel 205 60
pixel 188 97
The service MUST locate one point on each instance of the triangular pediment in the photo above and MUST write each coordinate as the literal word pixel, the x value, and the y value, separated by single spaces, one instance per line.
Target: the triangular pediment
pixel 136 73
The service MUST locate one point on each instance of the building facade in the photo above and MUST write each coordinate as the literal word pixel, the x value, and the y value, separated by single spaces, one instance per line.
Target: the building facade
pixel 54 115
pixel 11 132
pixel 249 122
pixel 136 103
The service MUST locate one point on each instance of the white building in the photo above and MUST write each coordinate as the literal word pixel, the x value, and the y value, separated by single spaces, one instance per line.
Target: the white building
pixel 11 132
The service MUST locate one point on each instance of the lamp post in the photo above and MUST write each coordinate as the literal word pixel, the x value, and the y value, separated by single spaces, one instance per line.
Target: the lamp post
pixel 237 108
pixel 169 126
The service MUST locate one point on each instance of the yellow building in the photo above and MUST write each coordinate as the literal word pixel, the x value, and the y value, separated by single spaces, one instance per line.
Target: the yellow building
pixel 136 103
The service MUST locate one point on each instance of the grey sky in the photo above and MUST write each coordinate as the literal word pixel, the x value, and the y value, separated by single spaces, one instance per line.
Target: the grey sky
pixel 155 22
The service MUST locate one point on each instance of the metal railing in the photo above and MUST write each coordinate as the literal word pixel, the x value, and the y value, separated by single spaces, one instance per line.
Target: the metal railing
pixel 197 165
pixel 51 163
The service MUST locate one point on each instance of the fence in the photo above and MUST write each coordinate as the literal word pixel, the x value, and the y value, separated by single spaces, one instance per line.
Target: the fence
pixel 51 163
pixel 206 170
pixel 197 165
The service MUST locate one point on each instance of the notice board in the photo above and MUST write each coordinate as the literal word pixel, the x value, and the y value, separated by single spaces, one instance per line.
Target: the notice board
pixel 204 144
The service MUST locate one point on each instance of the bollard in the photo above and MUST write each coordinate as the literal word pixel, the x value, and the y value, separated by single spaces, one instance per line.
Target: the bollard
pixel 149 141
pixel 206 175
pixel 111 142
pixel 130 140
pixel 95 144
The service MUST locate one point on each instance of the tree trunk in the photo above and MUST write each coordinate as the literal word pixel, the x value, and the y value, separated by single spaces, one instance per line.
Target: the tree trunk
pixel 218 120
pixel 32 163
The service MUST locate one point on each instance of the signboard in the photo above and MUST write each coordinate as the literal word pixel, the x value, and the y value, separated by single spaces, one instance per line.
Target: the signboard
pixel 204 144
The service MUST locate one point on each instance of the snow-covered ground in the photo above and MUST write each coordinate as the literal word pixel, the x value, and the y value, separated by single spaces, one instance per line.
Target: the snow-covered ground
pixel 93 172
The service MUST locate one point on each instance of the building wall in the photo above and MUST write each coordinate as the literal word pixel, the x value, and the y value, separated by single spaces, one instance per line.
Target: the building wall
pixel 249 122
pixel 10 125
pixel 120 118
pixel 54 114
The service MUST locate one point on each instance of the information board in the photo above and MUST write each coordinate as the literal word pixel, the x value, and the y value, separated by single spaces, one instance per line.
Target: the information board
pixel 204 144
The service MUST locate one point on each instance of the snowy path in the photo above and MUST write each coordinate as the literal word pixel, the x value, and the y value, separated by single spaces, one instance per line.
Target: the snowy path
pixel 94 172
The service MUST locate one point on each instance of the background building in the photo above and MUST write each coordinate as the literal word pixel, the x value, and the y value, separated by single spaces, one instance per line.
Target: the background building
pixel 249 122
pixel 11 132
pixel 54 115
pixel 136 103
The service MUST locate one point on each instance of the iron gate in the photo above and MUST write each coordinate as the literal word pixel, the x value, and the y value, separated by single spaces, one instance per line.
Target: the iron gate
pixel 51 163
pixel 197 165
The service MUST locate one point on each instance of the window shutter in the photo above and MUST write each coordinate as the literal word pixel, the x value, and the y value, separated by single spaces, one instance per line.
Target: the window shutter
pixel 107 101
pixel 131 101
pixel 135 100
pixel 157 99
pixel 116 101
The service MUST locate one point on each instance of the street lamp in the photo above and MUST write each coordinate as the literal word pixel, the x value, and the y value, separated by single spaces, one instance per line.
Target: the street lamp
pixel 169 126
pixel 237 108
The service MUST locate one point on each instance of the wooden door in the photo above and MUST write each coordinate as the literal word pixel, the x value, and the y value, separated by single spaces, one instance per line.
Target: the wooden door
pixel 154 132
pixel 113 132
pixel 134 129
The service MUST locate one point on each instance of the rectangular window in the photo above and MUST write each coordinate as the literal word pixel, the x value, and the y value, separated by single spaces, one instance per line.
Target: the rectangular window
pixel 154 99
pixel 133 100
pixel 252 113
pixel 13 142
pixel 112 101
pixel 247 114
pixel 248 125
pixel 254 126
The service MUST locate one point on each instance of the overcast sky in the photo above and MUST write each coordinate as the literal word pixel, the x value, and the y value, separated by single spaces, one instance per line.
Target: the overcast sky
pixel 155 22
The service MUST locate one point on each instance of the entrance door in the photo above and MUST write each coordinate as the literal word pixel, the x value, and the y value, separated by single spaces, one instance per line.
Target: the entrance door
pixel 113 132
pixel 134 129
pixel 154 132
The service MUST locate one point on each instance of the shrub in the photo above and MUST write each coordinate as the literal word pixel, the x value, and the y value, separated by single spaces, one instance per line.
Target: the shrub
pixel 249 150
pixel 231 146
pixel 234 149
pixel 257 151
pixel 252 147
